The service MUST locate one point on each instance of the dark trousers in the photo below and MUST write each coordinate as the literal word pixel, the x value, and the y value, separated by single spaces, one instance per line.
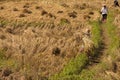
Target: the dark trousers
pixel 104 17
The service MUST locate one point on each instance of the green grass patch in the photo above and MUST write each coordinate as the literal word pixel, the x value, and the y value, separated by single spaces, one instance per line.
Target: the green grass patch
pixel 114 45
pixel 73 67
pixel 2 55
pixel 96 37
pixel 64 21
pixel 4 62
pixel 4 22
pixel 96 34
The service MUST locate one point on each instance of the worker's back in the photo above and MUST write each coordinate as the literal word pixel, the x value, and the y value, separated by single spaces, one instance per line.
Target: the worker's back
pixel 104 10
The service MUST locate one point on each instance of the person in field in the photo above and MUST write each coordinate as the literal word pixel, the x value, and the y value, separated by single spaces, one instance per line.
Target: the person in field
pixel 104 12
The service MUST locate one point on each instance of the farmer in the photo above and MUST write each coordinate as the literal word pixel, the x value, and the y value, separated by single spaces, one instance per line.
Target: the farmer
pixel 116 3
pixel 104 12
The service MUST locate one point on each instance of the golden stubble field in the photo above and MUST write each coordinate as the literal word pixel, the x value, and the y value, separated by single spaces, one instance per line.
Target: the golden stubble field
pixel 37 38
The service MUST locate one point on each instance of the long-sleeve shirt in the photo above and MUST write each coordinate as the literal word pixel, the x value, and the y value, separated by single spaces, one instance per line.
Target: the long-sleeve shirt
pixel 104 10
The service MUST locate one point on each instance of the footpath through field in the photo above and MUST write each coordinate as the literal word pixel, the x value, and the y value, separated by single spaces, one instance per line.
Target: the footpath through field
pixel 105 66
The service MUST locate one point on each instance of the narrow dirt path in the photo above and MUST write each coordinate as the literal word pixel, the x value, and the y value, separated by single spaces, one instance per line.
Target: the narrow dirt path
pixel 103 65
pixel 101 52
